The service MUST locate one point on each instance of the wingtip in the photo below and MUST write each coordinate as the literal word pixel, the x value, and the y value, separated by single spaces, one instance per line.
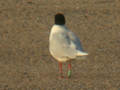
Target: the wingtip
pixel 82 53
pixel 85 53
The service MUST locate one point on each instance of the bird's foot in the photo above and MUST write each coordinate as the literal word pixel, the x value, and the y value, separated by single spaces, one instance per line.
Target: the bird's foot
pixel 61 77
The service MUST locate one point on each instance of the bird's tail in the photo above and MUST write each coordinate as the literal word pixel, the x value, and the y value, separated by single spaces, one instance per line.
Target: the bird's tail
pixel 81 53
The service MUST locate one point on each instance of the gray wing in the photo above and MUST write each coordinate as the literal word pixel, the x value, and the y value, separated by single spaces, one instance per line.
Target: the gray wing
pixel 75 40
pixel 60 45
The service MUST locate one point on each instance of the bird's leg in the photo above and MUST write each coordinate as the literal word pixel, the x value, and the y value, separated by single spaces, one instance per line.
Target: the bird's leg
pixel 69 69
pixel 60 69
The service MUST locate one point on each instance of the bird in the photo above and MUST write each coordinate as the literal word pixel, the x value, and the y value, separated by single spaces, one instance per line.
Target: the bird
pixel 64 45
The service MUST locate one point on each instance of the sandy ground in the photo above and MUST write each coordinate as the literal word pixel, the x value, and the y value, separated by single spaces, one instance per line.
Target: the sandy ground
pixel 25 62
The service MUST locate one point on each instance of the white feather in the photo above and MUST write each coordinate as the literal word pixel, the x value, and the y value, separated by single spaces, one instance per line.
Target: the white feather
pixel 64 44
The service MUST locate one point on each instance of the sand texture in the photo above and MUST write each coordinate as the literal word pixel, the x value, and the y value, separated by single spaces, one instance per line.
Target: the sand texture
pixel 25 62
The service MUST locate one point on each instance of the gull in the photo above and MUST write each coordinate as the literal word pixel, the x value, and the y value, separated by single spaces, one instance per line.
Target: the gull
pixel 64 45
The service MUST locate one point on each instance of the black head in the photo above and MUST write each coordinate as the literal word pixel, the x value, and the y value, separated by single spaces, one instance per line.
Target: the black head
pixel 59 19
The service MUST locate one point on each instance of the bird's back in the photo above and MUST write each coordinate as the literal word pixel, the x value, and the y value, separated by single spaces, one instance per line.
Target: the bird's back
pixel 63 43
pixel 59 43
